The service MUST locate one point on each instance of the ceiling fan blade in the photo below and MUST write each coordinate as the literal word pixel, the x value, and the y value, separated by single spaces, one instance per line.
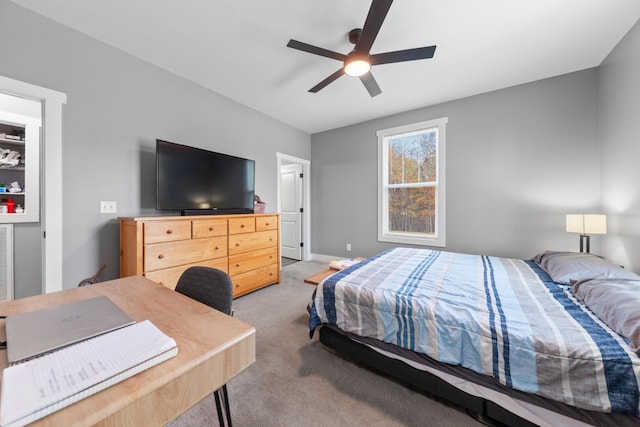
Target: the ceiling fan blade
pixel 328 80
pixel 377 13
pixel 403 55
pixel 294 44
pixel 371 84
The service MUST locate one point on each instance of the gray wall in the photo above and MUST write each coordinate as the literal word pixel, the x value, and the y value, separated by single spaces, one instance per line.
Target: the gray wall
pixel 619 132
pixel 117 105
pixel 518 160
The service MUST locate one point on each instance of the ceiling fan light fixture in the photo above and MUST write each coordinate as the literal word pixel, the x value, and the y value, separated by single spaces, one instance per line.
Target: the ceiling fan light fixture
pixel 359 61
pixel 356 67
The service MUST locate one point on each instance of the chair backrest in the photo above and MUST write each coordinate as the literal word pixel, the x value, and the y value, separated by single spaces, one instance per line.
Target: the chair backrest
pixel 208 285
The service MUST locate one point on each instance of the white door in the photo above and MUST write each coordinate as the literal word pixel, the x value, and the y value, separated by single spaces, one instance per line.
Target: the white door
pixel 291 211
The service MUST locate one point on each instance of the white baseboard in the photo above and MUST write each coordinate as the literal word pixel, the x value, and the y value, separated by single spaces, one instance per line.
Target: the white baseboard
pixel 324 258
pixel 327 258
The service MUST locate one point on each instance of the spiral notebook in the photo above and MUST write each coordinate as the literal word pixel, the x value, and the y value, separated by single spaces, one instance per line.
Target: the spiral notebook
pixel 40 386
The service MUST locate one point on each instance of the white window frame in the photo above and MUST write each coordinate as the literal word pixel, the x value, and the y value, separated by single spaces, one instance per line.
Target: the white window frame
pixel 384 235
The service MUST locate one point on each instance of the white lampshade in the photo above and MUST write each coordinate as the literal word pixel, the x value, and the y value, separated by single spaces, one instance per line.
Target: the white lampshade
pixel 575 223
pixel 587 224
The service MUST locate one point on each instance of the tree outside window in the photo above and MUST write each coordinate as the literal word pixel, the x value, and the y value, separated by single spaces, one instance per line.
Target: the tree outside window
pixel 412 183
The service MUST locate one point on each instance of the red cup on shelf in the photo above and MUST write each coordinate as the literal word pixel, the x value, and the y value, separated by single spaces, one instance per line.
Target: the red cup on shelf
pixel 11 207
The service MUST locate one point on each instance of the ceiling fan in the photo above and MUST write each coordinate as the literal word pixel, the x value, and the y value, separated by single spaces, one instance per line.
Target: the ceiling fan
pixel 359 61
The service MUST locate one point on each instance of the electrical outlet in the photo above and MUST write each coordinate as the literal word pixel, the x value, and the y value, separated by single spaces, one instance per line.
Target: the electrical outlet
pixel 349 247
pixel 108 207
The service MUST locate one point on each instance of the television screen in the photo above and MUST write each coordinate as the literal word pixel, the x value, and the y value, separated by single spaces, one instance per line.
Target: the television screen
pixel 193 179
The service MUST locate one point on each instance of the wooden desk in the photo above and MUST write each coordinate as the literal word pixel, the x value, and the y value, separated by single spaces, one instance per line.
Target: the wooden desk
pixel 212 348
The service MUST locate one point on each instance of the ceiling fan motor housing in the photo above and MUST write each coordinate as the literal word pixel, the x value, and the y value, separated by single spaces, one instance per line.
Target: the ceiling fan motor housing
pixel 354 35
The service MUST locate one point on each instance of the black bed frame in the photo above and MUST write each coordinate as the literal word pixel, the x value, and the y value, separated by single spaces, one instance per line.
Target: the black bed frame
pixel 485 411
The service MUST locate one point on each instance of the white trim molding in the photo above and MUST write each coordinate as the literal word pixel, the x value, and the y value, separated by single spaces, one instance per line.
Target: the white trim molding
pixel 51 189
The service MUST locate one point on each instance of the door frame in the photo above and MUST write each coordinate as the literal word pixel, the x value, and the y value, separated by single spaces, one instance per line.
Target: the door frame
pixel 306 198
pixel 51 177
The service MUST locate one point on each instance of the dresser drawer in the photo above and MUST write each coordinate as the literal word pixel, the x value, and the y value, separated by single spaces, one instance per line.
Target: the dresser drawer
pixel 242 263
pixel 254 279
pixel 242 225
pixel 202 228
pixel 169 276
pixel 266 222
pixel 240 243
pixel 164 255
pixel 166 231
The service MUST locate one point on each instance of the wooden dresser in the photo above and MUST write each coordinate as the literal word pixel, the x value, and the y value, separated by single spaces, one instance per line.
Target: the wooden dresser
pixel 246 246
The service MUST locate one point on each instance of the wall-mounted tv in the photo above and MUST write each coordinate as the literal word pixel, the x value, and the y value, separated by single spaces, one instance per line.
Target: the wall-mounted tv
pixel 196 181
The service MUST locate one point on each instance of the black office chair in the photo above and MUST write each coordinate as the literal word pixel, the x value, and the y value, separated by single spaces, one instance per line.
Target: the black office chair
pixel 212 287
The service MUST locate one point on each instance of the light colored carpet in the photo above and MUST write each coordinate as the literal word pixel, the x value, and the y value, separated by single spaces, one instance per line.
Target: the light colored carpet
pixel 287 261
pixel 296 381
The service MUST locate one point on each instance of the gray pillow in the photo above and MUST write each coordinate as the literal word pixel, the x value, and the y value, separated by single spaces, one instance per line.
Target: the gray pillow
pixel 615 302
pixel 565 267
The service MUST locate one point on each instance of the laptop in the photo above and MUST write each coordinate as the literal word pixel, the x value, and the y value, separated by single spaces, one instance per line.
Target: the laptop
pixel 42 331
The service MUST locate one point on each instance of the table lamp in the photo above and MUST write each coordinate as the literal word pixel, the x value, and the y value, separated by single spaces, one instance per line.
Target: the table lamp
pixel 586 224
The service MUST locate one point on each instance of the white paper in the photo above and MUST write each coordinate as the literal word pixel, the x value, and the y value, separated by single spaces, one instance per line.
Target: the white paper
pixel 72 372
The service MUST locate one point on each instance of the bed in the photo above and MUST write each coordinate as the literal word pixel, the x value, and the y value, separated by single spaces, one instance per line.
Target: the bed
pixel 546 341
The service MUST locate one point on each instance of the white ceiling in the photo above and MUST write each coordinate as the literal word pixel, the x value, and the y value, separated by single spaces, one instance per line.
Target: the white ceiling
pixel 238 47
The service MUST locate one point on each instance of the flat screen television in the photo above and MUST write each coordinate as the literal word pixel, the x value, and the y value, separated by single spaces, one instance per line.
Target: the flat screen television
pixel 196 181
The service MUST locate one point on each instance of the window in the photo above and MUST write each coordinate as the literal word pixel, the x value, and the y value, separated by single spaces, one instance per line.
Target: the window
pixel 411 200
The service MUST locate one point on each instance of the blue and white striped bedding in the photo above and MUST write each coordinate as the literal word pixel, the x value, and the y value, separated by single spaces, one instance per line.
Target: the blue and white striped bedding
pixel 498 316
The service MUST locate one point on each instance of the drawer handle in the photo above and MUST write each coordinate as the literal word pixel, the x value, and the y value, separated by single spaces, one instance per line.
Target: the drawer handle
pixel 160 256
pixel 237 265
pixel 237 244
pixel 241 225
pixel 169 231
pixel 217 248
pixel 211 228
pixel 266 224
